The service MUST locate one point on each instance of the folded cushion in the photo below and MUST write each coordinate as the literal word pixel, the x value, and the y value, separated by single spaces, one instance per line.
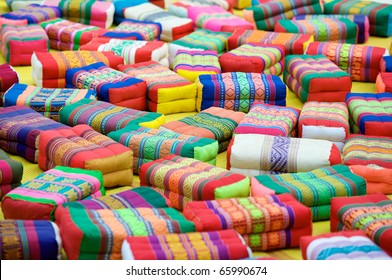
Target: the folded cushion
pixel 136 30
pixel 34 13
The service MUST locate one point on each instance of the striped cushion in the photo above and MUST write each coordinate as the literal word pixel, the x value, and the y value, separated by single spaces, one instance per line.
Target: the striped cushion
pixel 34 13
pixel 136 30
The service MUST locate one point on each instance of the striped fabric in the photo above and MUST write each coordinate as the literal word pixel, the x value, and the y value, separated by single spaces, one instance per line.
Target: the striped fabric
pixel 29 240
pixel 46 101
pixel 12 21
pixel 315 188
pixel 213 245
pixel 18 4
pixel 11 173
pixel 136 30
pixel 238 90
pixel 34 13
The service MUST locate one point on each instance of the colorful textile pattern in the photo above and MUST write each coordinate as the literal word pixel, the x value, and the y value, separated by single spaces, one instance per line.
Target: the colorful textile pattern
pixel 293 43
pixel 269 119
pixel 20 129
pixel 167 92
pixel 238 90
pixel 67 35
pixel 29 240
pixel 345 245
pixel 253 154
pixel 340 30
pixel 361 62
pixel 11 173
pixel 183 180
pixel 370 114
pixel 181 8
pixel 136 30
pixel 47 101
pixel 8 77
pixel 48 69
pixel 252 217
pixel 12 21
pixel 379 14
pixel 104 117
pixel 384 82
pixel 371 214
pixel 173 27
pixel 83 147
pixel 362 22
pixel 48 190
pixel 316 78
pixel 254 58
pixel 214 122
pixel 18 43
pixel 315 188
pixel 192 64
pixel 213 245
pixel 365 150
pixel 378 179
pixel 266 14
pixel 150 144
pixel 99 234
pixel 111 85
pixel 34 13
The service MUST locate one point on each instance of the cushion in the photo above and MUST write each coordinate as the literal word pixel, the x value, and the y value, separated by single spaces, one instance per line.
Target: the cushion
pixel 214 245
pixel 29 240
pixel 48 69
pixel 67 35
pixel 12 21
pixel 384 82
pixel 11 173
pixel 254 154
pixel 316 78
pixel 360 61
pixel 314 189
pixel 105 117
pixel 8 77
pixel 183 180
pixel 370 114
pixel 34 13
pixel 15 5
pixel 340 30
pixel 136 30
pixel 111 85
pixel 214 122
pixel 378 179
pixel 386 62
pixel 47 101
pixel 83 147
pixel 269 119
pixel 18 43
pixel 238 90
pixel 379 14
pixel 167 92
pixel 38 198
pixel 150 144
pixel 365 150
pixel 120 5
pixel 253 57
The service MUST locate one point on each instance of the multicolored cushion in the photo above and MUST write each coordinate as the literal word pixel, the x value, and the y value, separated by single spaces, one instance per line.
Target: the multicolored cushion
pixel 370 114
pixel 293 43
pixel 67 35
pixel 12 21
pixel 254 154
pixel 316 78
pixel 378 179
pixel 8 77
pixel 181 8
pixel 120 5
pixel 384 82
pixel 38 198
pixel 47 101
pixel 111 85
pixel 238 90
pixel 379 14
pixel 365 150
pixel 15 5
pixel 34 13
pixel 150 144
pixel 29 240
pixel 136 30
pixel 254 58
pixel 340 30
pixel 371 214
pixel 48 69
pixel 167 92
pixel 183 180
pixel 214 122
pixel 269 119
pixel 314 189
pixel 20 130
pixel 18 43
pixel 213 245
pixel 104 117
pixel 360 61
pixel 99 234
pixel 345 245
pixel 11 173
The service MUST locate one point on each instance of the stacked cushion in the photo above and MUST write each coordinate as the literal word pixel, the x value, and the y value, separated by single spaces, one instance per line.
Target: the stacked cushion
pixel 34 13
pixel 136 30
pixel 11 173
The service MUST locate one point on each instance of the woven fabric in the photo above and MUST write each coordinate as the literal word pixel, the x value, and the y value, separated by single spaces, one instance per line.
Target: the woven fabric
pixel 11 173
pixel 29 240
pixel 34 13
pixel 316 78
pixel 384 82
pixel 238 90
pixel 136 30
